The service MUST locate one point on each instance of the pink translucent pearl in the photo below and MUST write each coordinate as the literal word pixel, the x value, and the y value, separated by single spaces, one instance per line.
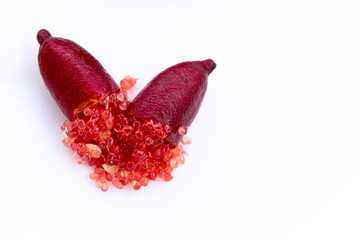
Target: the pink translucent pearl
pixel 87 112
pixel 182 130
pixel 186 140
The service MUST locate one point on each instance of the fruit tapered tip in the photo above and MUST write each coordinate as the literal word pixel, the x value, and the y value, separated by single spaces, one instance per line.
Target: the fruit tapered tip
pixel 42 35
pixel 209 65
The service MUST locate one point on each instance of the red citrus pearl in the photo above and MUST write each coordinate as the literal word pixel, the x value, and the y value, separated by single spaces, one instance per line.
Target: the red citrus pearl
pixel 133 150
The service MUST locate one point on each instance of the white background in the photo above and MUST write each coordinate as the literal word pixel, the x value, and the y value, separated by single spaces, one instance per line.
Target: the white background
pixel 275 152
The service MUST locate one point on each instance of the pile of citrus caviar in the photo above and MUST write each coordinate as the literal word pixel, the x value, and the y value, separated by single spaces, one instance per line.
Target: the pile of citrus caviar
pixel 123 148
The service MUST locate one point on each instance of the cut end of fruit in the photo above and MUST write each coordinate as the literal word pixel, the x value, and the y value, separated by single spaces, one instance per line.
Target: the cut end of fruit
pixel 42 35
pixel 123 149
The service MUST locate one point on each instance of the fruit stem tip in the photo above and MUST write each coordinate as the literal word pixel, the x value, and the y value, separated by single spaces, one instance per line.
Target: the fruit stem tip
pixel 209 65
pixel 42 35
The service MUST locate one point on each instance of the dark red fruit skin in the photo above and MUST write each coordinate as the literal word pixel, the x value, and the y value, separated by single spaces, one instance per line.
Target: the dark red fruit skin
pixel 174 96
pixel 73 76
